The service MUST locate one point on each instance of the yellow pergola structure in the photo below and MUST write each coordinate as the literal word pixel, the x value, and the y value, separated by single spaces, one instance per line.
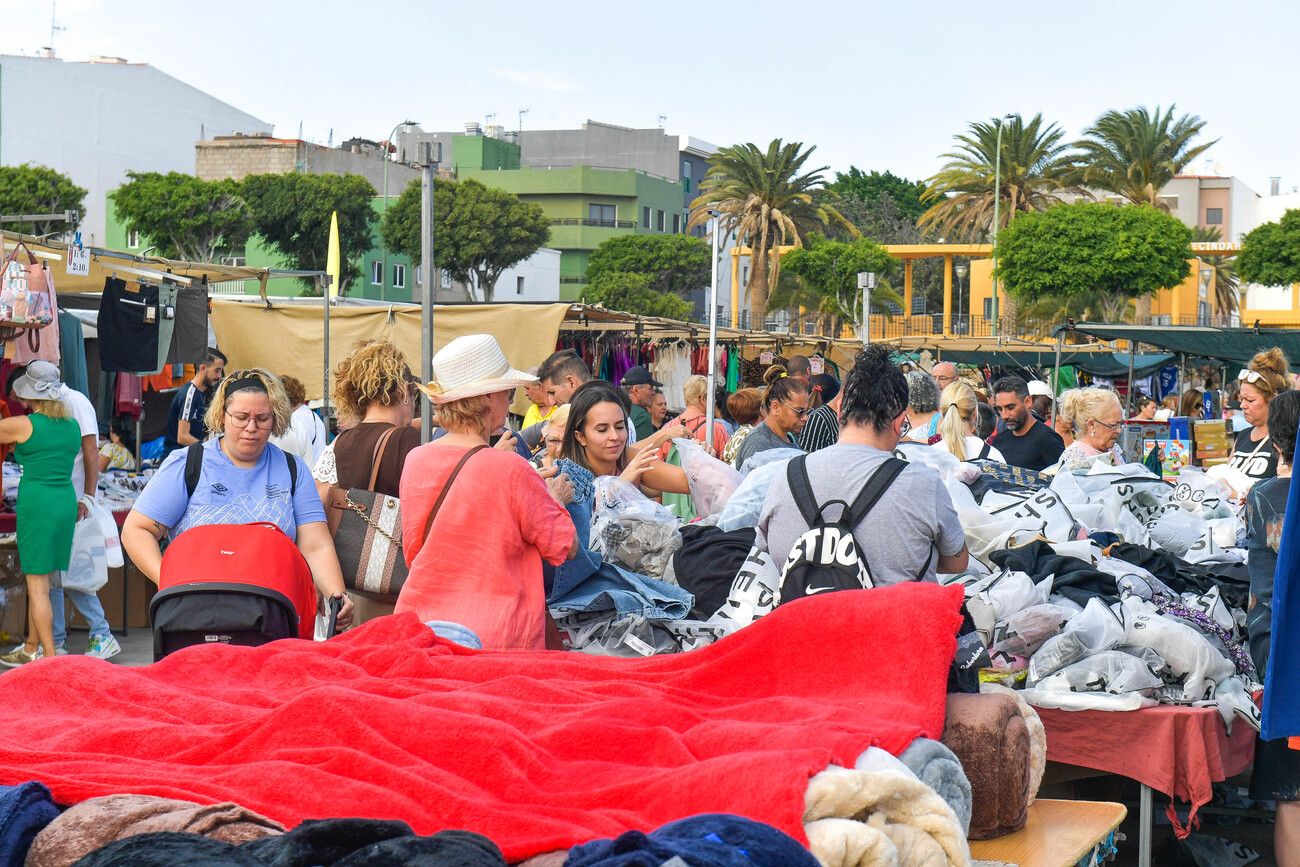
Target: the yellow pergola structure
pixel 909 253
pixel 774 254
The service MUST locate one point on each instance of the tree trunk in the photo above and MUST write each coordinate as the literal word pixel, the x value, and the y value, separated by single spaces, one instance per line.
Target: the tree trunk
pixel 758 288
pixel 1009 317
pixel 1143 314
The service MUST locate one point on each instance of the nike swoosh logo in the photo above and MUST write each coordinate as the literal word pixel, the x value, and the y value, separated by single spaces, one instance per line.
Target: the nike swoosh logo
pixel 811 590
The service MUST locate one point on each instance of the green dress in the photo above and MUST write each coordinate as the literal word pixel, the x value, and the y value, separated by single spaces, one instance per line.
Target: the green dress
pixel 47 503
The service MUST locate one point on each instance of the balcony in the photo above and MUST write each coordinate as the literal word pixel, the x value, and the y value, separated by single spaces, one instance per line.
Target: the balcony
pixel 599 224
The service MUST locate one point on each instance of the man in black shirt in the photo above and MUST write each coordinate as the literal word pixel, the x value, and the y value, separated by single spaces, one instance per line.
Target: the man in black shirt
pixel 1026 442
pixel 185 416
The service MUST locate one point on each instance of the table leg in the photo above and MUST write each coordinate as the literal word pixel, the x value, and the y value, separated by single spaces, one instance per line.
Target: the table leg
pixel 1144 827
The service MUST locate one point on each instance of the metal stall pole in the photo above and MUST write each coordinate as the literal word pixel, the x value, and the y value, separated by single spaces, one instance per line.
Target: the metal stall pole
pixel 1132 354
pixel 323 281
pixel 426 297
pixel 710 409
pixel 1056 376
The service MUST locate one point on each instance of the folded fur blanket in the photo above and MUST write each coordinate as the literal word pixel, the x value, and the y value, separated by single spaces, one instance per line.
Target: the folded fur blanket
pixel 538 750
pixel 990 736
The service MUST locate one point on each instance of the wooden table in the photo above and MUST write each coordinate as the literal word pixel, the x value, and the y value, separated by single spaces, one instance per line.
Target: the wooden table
pixel 1058 834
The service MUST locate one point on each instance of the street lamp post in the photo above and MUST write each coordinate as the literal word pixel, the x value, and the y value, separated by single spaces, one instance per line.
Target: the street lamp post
pixel 383 278
pixel 997 200
pixel 961 271
pixel 866 282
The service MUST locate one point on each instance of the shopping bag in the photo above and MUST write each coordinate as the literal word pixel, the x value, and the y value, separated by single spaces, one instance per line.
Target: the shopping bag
pixel 88 569
pixel 108 525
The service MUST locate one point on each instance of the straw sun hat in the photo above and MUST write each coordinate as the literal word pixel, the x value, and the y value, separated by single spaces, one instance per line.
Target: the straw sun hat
pixel 470 366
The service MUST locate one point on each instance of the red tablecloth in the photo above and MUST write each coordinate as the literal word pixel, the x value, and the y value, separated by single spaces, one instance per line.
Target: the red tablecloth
pixel 1180 751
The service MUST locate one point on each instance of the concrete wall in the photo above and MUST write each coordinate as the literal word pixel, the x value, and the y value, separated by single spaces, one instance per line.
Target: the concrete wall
pixel 602 144
pixel 238 157
pixel 96 121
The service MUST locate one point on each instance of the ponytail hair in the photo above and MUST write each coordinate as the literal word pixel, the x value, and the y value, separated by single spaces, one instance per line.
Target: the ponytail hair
pixel 958 404
pixel 780 386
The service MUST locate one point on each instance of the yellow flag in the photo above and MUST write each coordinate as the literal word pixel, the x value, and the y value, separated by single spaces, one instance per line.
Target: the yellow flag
pixel 333 260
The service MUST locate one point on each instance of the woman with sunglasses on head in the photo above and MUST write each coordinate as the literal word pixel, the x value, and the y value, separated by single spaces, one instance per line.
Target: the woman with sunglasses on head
pixel 243 479
pixel 786 402
pixel 1265 378
pixel 1096 419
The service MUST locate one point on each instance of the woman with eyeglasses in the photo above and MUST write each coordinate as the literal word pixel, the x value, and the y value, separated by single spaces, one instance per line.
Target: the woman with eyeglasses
pixel 243 479
pixel 786 402
pixel 1096 420
pixel 1265 378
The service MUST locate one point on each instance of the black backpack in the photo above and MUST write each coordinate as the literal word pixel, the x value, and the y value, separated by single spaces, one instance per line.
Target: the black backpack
pixel 826 558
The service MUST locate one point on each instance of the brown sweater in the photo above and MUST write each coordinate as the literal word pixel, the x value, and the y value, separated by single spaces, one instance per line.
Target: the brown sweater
pixel 354 450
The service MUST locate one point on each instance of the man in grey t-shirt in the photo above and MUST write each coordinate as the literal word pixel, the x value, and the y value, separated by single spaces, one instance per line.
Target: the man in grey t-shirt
pixel 913 532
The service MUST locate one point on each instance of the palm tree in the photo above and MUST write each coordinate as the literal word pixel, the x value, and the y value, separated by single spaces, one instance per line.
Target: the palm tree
pixel 1226 284
pixel 1037 171
pixel 766 198
pixel 1135 153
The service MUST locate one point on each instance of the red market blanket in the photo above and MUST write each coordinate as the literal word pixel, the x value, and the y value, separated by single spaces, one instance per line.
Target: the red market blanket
pixel 537 750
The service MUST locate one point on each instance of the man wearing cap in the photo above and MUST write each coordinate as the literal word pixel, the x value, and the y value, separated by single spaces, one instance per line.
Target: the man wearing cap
pixel 640 388
pixel 1040 399
pixel 85 480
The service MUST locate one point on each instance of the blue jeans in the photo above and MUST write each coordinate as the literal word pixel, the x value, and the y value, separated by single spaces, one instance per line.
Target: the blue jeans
pixel 89 606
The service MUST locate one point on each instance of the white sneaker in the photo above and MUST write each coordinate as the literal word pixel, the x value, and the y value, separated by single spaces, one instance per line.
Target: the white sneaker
pixel 103 648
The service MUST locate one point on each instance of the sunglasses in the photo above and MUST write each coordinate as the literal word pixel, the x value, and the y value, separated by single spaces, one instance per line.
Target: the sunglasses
pixel 798 413
pixel 1249 376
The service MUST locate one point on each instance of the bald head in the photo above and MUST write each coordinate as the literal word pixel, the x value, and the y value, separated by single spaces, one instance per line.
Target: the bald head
pixel 800 368
pixel 944 373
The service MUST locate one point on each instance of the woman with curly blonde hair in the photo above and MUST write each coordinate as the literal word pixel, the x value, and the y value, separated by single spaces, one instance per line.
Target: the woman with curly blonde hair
pixel 374 387
pixel 1266 377
pixel 243 479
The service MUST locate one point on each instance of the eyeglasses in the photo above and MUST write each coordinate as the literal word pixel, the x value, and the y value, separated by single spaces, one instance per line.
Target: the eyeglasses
pixel 1249 376
pixel 1117 426
pixel 798 412
pixel 241 419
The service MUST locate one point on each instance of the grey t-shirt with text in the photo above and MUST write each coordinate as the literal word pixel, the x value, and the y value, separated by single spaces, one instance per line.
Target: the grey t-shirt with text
pixel 912 520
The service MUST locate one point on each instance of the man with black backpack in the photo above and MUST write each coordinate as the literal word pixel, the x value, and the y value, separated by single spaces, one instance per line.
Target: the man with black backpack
pixel 852 515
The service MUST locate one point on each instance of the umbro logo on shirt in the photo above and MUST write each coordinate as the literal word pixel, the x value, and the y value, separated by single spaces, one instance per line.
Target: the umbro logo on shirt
pixel 218 488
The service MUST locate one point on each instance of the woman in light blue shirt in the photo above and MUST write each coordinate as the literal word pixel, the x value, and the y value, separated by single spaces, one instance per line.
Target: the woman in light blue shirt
pixel 243 479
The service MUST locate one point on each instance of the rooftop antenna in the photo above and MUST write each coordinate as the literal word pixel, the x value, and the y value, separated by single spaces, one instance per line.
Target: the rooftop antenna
pixel 54 25
pixel 662 118
pixel 522 112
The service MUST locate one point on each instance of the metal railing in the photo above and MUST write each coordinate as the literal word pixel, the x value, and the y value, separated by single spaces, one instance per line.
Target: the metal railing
pixel 600 224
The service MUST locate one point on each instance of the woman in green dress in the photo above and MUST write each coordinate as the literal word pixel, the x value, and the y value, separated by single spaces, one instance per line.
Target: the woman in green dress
pixel 46 445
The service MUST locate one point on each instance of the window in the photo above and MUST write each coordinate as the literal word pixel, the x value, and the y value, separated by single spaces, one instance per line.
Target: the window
pixel 744 276
pixel 686 184
pixel 234 261
pixel 399 276
pixel 419 275
pixel 1214 216
pixel 988 308
pixel 659 220
pixel 446 280
pixel 686 168
pixel 677 223
pixel 645 218
pixel 519 285
pixel 376 273
pixel 133 239
pixel 603 215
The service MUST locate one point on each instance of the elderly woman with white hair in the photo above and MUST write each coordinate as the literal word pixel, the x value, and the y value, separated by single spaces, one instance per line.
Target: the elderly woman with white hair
pixel 1096 419
pixel 477 522
pixel 243 479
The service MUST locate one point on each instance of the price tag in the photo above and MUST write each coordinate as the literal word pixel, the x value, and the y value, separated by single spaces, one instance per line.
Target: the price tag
pixel 816 365
pixel 765 358
pixel 79 261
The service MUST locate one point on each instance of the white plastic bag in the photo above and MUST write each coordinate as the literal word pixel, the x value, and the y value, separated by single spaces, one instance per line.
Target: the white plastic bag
pixel 112 540
pixel 746 502
pixel 712 481
pixel 1024 632
pixel 88 568
pixel 630 529
pixel 1110 671
pixel 1093 630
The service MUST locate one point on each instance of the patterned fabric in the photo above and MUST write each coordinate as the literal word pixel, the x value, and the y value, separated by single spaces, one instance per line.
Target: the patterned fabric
pixel 821 430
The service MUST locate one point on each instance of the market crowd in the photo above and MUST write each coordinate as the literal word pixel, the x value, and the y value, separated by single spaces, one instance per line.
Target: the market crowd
pixel 495 513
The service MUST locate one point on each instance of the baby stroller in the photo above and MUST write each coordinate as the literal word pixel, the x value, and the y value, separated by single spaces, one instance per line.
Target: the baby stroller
pixel 244 584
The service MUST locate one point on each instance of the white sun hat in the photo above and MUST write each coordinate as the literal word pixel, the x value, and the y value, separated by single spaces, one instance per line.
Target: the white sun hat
pixel 470 366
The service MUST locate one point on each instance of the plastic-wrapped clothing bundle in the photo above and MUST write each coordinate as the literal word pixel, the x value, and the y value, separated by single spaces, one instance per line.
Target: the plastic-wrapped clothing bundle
pixel 1111 671
pixel 1095 629
pixel 1002 597
pixel 1175 531
pixel 641 546
pixel 1201 494
pixel 1189 655
pixel 1024 632
pixel 987 535
pixel 712 482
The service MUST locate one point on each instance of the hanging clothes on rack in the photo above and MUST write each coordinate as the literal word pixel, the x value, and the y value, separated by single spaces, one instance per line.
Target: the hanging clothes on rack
pixel 127 398
pixel 40 343
pixel 672 367
pixel 189 341
pixel 733 371
pixel 128 326
pixel 72 353
pixel 166 323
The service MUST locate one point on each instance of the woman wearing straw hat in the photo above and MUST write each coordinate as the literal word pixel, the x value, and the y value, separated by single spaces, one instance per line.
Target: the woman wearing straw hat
pixel 47 443
pixel 476 521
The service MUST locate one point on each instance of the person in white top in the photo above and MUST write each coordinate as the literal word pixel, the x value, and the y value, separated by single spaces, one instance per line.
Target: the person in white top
pixel 958 406
pixel 85 480
pixel 305 436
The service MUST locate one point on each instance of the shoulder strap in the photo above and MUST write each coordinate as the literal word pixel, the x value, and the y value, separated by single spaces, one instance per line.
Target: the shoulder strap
pixel 984 451
pixel 292 461
pixel 193 468
pixel 381 449
pixel 874 489
pixel 796 473
pixel 446 488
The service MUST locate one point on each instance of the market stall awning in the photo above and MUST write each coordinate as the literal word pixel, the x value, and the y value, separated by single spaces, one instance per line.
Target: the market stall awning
pixel 1228 344
pixel 1009 352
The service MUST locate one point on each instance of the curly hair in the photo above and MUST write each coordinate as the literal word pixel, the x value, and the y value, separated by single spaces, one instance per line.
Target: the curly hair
pixel 375 372
pixel 875 391
pixel 294 390
pixel 215 417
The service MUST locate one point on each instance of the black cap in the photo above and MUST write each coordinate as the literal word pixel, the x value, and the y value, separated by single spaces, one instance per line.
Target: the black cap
pixel 639 376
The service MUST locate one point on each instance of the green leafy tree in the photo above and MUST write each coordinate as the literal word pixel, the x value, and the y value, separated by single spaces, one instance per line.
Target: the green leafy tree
pixel 768 200
pixel 478 231
pixel 185 217
pixel 881 220
pixel 1270 254
pixel 292 213
pixel 905 194
pixel 634 293
pixel 1117 254
pixel 1135 153
pixel 674 263
pixel 1038 171
pixel 29 189
pixel 823 276
pixel 1226 283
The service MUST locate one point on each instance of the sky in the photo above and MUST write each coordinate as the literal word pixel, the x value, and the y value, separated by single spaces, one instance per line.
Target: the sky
pixel 876 85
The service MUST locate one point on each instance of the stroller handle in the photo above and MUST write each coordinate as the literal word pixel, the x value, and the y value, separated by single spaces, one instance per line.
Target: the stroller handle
pixel 336 605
